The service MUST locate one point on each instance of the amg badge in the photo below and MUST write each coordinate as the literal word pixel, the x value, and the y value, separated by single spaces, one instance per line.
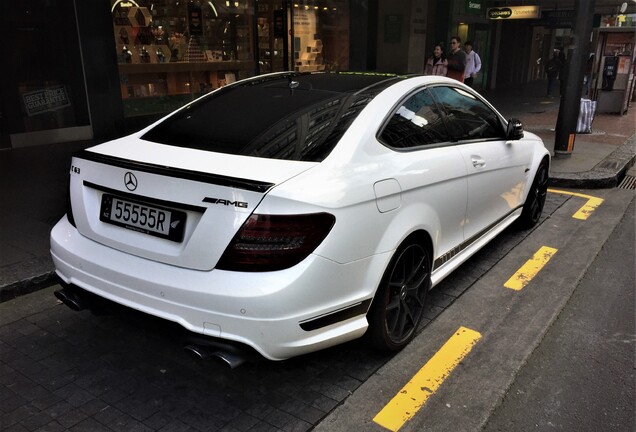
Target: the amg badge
pixel 240 204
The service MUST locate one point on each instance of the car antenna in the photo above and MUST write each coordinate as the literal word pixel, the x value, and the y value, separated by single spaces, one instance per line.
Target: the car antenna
pixel 292 84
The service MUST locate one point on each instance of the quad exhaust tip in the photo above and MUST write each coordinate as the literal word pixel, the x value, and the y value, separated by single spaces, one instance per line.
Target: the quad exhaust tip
pixel 70 299
pixel 226 358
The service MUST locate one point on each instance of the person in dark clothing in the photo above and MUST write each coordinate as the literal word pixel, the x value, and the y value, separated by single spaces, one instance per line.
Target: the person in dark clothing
pixel 589 74
pixel 552 70
pixel 456 60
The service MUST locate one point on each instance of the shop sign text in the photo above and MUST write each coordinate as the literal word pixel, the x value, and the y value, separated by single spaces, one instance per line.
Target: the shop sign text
pixel 46 99
pixel 514 12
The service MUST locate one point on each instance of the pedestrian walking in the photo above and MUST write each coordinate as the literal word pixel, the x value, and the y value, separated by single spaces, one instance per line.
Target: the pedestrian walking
pixel 436 63
pixel 589 74
pixel 473 64
pixel 456 60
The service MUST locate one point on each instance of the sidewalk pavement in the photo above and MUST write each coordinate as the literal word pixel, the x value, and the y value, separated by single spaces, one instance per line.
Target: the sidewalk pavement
pixel 34 179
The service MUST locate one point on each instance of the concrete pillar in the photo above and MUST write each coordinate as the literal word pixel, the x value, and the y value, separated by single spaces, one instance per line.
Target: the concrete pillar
pixel 565 131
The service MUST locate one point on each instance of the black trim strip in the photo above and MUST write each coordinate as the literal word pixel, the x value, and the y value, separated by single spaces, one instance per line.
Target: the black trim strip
pixel 456 250
pixel 239 183
pixel 336 316
pixel 146 199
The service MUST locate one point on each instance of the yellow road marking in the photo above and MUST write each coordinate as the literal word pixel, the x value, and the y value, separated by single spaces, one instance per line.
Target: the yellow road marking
pixel 530 269
pixel 427 380
pixel 584 212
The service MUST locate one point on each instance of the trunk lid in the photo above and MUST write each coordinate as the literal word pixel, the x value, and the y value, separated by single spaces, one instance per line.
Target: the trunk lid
pixel 174 205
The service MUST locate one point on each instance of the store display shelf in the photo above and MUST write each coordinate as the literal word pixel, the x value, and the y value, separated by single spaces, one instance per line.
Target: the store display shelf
pixel 142 68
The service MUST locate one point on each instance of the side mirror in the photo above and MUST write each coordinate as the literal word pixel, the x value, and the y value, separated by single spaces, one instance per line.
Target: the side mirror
pixel 514 130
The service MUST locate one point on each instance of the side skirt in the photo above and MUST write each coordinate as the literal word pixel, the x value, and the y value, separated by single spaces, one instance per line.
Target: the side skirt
pixel 448 262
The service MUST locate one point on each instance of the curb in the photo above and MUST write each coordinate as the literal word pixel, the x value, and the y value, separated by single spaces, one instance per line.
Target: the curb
pixel 606 174
pixel 27 286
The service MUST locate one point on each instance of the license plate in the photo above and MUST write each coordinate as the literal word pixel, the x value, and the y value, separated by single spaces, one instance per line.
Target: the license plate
pixel 141 217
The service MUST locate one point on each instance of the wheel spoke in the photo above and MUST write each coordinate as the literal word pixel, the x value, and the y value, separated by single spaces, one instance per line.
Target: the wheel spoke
pixel 414 294
pixel 394 303
pixel 407 311
pixel 391 322
pixel 415 278
pixel 403 320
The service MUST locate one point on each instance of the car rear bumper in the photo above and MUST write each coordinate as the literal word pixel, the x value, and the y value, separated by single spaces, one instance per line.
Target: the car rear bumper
pixel 262 310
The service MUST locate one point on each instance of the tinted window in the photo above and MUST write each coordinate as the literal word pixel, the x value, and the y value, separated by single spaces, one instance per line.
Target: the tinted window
pixel 295 117
pixel 467 117
pixel 416 122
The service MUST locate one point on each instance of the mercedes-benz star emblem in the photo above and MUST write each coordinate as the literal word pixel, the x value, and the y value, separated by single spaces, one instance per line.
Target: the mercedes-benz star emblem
pixel 130 181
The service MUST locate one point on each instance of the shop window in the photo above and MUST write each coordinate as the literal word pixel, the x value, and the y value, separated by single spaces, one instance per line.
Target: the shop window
pixel 321 35
pixel 170 52
pixel 43 90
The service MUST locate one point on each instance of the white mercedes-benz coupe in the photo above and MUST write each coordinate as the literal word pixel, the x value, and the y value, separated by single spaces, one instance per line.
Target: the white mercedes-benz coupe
pixel 291 212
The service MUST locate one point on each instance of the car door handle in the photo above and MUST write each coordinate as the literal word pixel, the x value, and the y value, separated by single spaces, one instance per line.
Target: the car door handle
pixel 478 162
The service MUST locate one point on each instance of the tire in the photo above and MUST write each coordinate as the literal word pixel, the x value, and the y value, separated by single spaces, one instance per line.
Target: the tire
pixel 533 207
pixel 399 303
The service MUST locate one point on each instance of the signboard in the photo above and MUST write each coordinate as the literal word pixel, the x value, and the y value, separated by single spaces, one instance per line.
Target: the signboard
pixel 513 12
pixel 46 99
pixel 473 7
pixel 556 19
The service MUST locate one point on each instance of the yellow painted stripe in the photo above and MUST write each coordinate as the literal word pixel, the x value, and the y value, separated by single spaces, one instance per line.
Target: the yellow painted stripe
pixel 531 268
pixel 416 392
pixel 588 208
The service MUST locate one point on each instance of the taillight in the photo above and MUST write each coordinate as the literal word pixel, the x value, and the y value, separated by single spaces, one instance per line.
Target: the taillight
pixel 69 208
pixel 275 242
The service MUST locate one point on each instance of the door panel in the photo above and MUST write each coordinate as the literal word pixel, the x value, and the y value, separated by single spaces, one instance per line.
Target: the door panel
pixel 432 174
pixel 496 178
pixel 496 168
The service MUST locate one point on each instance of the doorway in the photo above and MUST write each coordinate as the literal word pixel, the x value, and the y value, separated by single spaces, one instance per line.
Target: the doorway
pixel 272 30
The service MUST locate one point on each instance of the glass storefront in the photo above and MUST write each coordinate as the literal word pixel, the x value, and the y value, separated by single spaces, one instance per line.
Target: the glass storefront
pixel 171 51
pixel 43 95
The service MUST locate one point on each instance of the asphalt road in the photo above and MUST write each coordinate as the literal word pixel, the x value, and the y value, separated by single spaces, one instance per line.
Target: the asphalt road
pixel 512 327
pixel 581 376
pixel 63 370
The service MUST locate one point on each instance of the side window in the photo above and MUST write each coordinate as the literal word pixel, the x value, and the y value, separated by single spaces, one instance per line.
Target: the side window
pixel 416 122
pixel 467 117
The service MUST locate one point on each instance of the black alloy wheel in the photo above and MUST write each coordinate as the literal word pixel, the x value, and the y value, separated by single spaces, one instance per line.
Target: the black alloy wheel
pixel 399 305
pixel 533 207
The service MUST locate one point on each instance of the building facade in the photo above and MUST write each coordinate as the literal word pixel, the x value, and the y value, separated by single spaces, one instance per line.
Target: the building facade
pixel 98 69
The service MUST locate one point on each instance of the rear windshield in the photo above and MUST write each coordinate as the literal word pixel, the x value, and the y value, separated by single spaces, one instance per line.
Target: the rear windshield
pixel 294 117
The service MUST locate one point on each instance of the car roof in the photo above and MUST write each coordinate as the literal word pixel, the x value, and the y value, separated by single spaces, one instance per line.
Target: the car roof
pixel 341 82
pixel 296 116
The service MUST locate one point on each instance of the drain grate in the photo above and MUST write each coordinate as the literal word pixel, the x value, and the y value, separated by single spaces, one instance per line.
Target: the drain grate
pixel 629 182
